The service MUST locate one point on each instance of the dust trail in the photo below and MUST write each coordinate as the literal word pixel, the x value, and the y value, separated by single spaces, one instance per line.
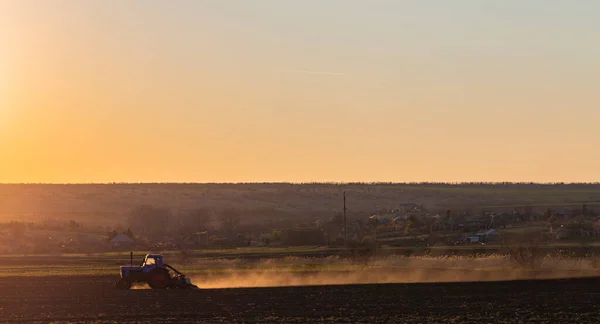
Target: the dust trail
pixel 280 279
pixel 394 270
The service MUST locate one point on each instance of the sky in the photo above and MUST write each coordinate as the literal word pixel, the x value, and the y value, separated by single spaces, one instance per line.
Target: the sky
pixel 299 91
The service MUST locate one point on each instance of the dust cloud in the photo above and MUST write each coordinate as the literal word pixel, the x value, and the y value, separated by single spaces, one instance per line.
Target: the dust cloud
pixel 395 270
pixel 281 279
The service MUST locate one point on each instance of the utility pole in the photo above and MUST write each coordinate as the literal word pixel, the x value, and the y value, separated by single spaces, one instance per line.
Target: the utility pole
pixel 345 228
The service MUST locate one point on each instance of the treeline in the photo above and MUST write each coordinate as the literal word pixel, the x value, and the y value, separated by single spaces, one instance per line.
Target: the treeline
pixel 326 183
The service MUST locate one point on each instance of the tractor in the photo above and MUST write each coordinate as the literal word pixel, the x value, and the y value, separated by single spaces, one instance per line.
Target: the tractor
pixel 155 273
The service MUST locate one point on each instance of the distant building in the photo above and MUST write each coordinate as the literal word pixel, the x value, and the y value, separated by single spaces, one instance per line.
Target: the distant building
pixel 409 207
pixel 121 239
pixel 491 235
pixel 488 236
pixel 474 238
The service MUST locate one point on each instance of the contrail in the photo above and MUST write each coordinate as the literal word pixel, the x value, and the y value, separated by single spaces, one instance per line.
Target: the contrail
pixel 320 72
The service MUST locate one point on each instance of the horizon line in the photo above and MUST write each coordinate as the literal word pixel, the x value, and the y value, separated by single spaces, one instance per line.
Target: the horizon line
pixel 409 183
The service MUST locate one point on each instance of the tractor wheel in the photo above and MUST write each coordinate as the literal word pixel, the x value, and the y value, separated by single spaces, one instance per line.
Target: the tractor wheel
pixel 123 283
pixel 159 279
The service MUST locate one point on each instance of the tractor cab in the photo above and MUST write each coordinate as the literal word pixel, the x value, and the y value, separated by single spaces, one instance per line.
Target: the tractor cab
pixel 152 261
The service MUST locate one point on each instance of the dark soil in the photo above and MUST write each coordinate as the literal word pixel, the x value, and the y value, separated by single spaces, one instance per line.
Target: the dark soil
pixel 81 299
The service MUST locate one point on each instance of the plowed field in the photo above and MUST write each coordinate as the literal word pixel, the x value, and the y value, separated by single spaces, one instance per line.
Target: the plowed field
pixel 81 299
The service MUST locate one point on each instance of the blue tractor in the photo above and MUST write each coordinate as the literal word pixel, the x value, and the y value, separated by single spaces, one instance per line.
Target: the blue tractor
pixel 154 272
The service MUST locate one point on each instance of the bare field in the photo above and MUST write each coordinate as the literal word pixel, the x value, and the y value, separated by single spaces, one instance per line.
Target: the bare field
pixel 93 299
pixel 307 290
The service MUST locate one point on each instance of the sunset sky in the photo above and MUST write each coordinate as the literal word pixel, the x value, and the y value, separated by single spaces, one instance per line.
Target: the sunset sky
pixel 303 90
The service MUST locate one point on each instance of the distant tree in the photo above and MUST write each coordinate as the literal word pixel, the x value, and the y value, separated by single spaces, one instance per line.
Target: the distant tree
pixel 111 235
pixel 332 230
pixel 199 219
pixel 276 236
pixel 413 221
pixel 129 233
pixel 528 212
pixel 552 220
pixel 338 219
pixel 229 220
pixel 31 225
pixel 435 226
pixel 412 224
pixel 73 225
pixel 501 220
pixel 153 221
